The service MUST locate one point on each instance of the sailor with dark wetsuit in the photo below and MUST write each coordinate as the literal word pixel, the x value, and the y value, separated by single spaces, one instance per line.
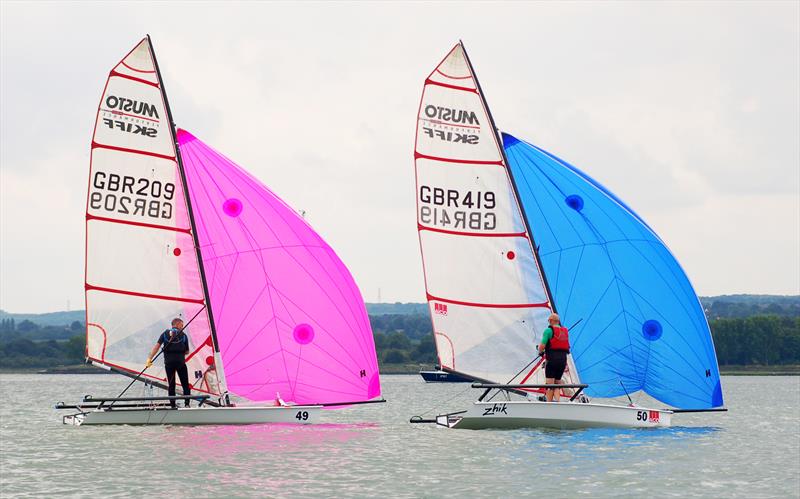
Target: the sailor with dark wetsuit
pixel 175 343
pixel 555 346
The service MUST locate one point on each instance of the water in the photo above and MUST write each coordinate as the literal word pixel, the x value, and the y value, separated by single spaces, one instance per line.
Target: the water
pixel 751 451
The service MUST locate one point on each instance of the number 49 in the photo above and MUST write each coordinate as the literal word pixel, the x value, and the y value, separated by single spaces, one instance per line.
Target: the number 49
pixel 301 415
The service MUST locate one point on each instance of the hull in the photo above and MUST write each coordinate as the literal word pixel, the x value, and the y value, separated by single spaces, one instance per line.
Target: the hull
pixel 558 415
pixel 442 377
pixel 198 416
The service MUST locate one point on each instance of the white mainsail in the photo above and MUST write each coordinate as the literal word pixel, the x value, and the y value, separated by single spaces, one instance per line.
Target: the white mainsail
pixel 142 268
pixel 487 298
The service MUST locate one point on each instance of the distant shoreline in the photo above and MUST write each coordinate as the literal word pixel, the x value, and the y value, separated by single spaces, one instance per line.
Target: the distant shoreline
pixel 392 369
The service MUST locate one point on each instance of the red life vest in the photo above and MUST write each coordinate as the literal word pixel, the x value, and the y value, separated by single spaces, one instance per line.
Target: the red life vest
pixel 560 339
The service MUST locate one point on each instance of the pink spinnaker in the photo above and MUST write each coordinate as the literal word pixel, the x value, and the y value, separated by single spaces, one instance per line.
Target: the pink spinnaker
pixel 290 321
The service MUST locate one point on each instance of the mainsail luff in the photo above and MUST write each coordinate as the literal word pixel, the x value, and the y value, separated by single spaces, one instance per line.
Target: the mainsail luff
pixel 220 368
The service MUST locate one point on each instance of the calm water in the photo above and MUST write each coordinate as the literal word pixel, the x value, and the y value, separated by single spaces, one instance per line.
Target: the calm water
pixel 751 451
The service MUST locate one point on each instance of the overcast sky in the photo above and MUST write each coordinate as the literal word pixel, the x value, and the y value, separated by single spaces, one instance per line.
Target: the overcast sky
pixel 689 112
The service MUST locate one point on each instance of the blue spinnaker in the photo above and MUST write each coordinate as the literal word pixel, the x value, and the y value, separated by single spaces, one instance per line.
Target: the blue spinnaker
pixel 641 324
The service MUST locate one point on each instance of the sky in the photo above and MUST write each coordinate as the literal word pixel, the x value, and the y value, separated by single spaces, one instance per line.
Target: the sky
pixel 689 112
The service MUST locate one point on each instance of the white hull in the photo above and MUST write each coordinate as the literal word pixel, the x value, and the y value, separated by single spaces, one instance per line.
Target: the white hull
pixel 198 416
pixel 560 415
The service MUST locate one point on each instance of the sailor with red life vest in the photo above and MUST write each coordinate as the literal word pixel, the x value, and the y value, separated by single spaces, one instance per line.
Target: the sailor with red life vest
pixel 555 347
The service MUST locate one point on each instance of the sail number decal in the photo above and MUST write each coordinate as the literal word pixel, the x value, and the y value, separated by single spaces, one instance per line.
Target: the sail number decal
pixel 128 195
pixel 651 416
pixel 301 416
pixel 454 209
pixel 495 409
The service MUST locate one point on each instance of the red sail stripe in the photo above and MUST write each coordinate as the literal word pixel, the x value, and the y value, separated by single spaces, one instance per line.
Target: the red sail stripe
pixel 90 287
pixel 473 234
pixel 138 224
pixel 454 87
pixel 489 305
pixel 128 77
pixel 419 155
pixel 132 151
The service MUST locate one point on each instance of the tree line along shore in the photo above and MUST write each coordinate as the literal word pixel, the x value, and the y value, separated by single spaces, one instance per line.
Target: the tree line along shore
pixel 752 335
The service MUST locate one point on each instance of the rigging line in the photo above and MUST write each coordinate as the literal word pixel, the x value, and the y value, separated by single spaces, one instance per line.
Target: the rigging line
pixel 446 401
pixel 238 171
pixel 156 356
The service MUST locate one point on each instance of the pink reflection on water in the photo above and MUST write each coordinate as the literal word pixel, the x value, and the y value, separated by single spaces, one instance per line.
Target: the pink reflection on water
pixel 219 442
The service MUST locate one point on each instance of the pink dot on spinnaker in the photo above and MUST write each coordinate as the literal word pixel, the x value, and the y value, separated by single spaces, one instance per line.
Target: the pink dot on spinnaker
pixel 511 255
pixel 232 207
pixel 176 252
pixel 210 360
pixel 303 334
pixel 374 388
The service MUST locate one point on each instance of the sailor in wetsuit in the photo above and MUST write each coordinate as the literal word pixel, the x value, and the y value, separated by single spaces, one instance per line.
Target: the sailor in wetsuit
pixel 555 346
pixel 175 344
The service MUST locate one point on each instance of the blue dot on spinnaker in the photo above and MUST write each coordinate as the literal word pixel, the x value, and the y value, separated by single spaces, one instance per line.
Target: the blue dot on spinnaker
pixel 652 330
pixel 575 202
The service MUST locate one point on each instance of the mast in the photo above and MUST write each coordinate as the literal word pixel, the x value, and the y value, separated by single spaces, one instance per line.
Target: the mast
pixel 220 372
pixel 510 176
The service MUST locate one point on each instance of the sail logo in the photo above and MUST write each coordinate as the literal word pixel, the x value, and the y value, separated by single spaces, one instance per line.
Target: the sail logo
pixel 440 308
pixel 130 116
pixel 442 122
pixel 451 115
pixel 456 137
pixel 125 105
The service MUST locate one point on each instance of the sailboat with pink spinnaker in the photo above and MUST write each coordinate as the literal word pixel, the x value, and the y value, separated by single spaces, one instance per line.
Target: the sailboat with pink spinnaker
pixel 277 327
